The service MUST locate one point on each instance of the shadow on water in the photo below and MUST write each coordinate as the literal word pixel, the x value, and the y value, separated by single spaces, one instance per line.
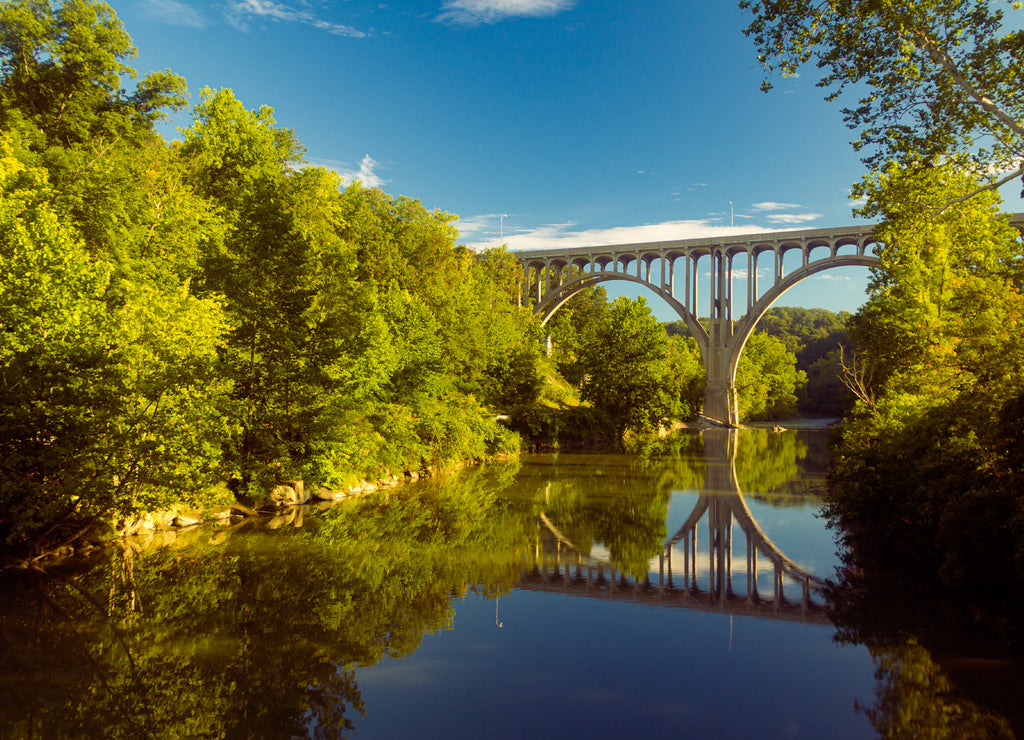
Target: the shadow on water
pixel 259 630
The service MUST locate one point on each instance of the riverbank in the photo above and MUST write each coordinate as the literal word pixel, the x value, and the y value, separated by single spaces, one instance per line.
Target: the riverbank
pixel 797 422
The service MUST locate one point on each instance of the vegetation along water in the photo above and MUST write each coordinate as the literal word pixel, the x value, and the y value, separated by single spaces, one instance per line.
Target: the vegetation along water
pixel 571 594
pixel 209 327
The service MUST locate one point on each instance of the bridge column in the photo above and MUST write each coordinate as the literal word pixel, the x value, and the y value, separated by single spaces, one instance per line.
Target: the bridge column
pixel 750 278
pixel 753 280
pixel 728 289
pixel 720 392
pixel 690 301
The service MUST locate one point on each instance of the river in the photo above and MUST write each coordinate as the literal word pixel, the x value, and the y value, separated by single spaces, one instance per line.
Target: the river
pixel 679 590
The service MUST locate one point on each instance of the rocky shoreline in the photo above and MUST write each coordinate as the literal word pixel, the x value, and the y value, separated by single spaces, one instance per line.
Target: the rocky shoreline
pixel 279 500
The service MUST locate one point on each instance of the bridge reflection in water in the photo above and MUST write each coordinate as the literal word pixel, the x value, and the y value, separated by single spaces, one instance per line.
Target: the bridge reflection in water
pixel 691 572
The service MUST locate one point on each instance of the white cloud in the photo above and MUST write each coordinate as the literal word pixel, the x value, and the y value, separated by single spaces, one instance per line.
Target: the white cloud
pixel 175 13
pixel 481 226
pixel 792 218
pixel 477 12
pixel 239 12
pixel 770 205
pixel 563 236
pixel 366 172
pixel 764 209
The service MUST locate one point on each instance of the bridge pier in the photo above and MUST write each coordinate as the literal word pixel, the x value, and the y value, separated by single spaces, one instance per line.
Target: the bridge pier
pixel 720 403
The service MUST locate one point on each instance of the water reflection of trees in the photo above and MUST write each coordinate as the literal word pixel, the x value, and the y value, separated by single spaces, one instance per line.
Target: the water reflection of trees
pixel 915 699
pixel 935 678
pixel 769 466
pixel 252 636
pixel 620 502
pixel 225 634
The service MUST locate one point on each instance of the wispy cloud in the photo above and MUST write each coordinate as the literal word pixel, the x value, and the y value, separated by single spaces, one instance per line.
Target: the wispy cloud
pixel 564 235
pixel 481 228
pixel 792 218
pixel 367 173
pixel 765 209
pixel 175 13
pixel 240 12
pixel 771 205
pixel 478 12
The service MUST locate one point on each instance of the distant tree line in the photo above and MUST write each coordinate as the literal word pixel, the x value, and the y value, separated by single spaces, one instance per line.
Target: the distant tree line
pixel 791 364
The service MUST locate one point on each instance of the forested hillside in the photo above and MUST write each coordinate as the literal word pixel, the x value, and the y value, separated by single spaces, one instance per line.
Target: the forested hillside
pixel 182 318
pixel 791 364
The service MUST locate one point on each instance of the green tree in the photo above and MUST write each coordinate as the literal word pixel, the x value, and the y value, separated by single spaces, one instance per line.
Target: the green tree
pixel 625 364
pixel 63 66
pixel 935 447
pixel 767 380
pixel 105 344
pixel 569 328
pixel 686 374
pixel 812 335
pixel 935 78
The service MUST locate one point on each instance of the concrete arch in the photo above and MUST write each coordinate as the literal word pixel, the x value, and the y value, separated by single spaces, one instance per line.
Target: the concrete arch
pixel 745 326
pixel 558 297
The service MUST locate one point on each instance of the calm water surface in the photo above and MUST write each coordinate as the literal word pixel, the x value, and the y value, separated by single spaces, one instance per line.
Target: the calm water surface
pixel 676 591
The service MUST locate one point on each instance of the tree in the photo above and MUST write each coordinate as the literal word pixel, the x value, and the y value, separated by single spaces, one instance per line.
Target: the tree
pixel 62 69
pixel 107 389
pixel 625 365
pixel 686 375
pixel 936 78
pixel 932 444
pixel 767 379
pixel 110 402
pixel 569 327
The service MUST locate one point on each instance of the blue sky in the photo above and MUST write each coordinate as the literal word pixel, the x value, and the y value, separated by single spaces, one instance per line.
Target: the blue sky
pixel 585 121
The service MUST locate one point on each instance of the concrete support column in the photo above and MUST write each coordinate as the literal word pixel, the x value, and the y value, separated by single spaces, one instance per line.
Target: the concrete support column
pixel 753 279
pixel 750 279
pixel 715 292
pixel 729 287
pixel 691 291
pixel 720 391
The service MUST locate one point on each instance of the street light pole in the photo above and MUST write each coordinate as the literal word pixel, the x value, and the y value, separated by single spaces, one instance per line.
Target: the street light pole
pixel 501 228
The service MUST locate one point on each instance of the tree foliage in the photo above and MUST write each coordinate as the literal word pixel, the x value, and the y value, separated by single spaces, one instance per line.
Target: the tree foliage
pixel 940 78
pixel 814 336
pixel 937 448
pixel 177 315
pixel 767 380
pixel 625 367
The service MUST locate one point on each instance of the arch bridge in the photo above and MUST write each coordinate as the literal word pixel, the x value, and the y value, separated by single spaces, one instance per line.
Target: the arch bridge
pixel 552 277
